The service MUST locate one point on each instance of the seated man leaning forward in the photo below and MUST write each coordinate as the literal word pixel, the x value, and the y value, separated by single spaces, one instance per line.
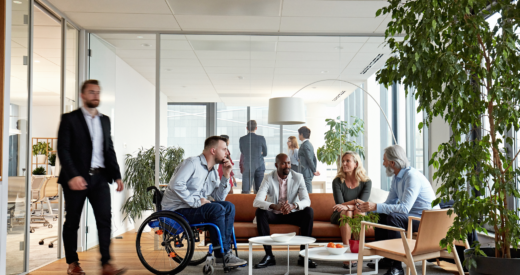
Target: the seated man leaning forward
pixel 287 203
pixel 194 180
pixel 410 194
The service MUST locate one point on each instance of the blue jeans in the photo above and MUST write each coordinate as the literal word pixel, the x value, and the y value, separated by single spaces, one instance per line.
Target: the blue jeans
pixel 220 213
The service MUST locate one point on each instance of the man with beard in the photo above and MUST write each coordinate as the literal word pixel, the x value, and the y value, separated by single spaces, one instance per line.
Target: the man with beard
pixel 287 203
pixel 194 180
pixel 410 194
pixel 88 164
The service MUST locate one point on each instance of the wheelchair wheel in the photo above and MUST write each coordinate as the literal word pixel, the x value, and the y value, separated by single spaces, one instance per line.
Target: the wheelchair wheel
pixel 162 250
pixel 200 252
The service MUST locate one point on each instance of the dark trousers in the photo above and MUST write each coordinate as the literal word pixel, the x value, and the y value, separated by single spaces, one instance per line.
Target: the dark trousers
pixel 257 175
pixel 397 220
pixel 303 219
pixel 98 193
pixel 220 213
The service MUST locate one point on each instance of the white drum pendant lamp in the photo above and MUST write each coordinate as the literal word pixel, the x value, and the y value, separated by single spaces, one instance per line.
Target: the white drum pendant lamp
pixel 286 111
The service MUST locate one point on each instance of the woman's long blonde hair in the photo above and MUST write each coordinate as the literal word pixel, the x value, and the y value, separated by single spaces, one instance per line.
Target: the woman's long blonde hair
pixel 294 143
pixel 360 172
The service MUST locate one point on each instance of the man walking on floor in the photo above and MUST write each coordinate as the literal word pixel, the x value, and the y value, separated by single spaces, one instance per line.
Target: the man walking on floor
pixel 254 149
pixel 88 164
pixel 307 157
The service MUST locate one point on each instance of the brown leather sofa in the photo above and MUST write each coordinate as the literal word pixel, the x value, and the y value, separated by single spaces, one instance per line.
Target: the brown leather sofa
pixel 321 203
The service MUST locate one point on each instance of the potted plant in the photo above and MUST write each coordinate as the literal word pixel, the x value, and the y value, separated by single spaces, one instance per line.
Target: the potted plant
pixel 337 140
pixel 39 171
pixel 52 162
pixel 355 227
pixel 40 151
pixel 467 71
pixel 140 174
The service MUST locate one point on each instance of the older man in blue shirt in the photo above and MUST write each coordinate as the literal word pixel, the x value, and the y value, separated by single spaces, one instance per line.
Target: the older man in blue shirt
pixel 193 181
pixel 410 194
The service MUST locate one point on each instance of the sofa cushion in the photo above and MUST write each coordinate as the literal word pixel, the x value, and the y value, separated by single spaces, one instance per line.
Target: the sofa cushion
pixel 325 229
pixel 249 230
pixel 322 204
pixel 244 210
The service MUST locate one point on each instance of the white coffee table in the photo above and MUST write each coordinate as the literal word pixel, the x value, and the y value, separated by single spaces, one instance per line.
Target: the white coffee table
pixel 321 254
pixel 296 240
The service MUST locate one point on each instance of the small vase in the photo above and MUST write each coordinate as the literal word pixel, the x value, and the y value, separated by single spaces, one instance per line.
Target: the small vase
pixel 53 169
pixel 41 159
pixel 354 245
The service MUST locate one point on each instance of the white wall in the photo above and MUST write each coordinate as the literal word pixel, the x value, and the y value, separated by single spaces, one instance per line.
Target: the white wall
pixel 46 120
pixel 439 132
pixel 372 132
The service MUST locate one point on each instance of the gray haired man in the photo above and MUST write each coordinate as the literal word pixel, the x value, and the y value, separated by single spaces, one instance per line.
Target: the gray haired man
pixel 410 194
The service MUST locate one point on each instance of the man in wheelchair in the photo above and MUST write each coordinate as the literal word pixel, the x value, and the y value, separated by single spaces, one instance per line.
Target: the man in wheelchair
pixel 194 180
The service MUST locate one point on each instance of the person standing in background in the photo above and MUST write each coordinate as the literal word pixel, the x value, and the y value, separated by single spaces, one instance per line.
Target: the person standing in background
pixel 88 165
pixel 292 152
pixel 254 149
pixel 232 180
pixel 307 158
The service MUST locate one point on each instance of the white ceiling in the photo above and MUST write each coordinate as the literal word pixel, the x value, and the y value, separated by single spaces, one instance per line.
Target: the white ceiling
pixel 235 69
pixel 240 69
pixel 336 16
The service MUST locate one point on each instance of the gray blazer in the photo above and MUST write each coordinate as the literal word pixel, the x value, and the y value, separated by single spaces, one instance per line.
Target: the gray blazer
pixel 308 159
pixel 254 149
pixel 296 191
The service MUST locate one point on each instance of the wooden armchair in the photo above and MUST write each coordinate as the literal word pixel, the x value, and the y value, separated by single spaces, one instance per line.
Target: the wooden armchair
pixel 433 227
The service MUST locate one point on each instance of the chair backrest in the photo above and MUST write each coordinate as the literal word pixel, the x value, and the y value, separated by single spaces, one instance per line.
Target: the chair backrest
pixel 432 229
pixel 51 188
pixel 37 187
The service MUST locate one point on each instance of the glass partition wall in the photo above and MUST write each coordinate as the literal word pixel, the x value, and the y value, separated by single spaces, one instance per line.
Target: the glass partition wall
pixel 38 85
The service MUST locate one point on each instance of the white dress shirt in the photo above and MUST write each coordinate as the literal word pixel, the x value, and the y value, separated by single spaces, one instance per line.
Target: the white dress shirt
pixel 96 135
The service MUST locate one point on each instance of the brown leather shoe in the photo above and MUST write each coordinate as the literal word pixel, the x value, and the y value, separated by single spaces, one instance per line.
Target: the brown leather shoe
pixel 75 269
pixel 109 269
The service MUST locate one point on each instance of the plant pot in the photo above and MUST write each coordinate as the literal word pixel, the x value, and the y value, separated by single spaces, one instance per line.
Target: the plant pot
pixel 41 159
pixel 354 245
pixel 53 169
pixel 494 266
pixel 137 223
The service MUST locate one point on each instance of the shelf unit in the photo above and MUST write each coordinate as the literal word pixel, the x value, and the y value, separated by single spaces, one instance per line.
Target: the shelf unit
pixel 34 160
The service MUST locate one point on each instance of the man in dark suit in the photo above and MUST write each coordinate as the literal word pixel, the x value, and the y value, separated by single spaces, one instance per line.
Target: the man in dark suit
pixel 254 149
pixel 307 158
pixel 88 164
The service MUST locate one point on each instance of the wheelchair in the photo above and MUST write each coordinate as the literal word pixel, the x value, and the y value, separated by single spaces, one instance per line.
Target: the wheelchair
pixel 173 243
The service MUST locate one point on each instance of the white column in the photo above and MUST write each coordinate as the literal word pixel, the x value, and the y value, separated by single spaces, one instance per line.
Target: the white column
pixel 316 115
pixel 372 133
pixel 439 132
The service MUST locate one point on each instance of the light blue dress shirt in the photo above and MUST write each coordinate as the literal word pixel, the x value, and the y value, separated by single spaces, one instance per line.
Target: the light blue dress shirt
pixel 410 194
pixel 191 181
pixel 96 135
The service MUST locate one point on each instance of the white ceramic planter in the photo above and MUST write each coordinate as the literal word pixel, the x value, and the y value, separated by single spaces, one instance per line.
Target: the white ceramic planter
pixel 53 169
pixel 41 159
pixel 138 222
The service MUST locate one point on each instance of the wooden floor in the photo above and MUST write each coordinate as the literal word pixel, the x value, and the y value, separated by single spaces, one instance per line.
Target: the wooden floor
pixel 123 254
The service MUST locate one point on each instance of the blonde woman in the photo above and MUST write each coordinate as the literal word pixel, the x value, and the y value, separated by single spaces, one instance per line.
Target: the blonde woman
pixel 292 152
pixel 351 184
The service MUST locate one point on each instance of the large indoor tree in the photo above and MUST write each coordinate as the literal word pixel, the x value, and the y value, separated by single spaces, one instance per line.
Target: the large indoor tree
pixel 463 69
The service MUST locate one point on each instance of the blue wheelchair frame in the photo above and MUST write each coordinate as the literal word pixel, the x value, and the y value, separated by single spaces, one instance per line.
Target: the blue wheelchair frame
pixel 210 251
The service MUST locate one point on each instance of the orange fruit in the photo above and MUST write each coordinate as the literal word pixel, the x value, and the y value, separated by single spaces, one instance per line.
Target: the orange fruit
pixel 331 245
pixel 339 246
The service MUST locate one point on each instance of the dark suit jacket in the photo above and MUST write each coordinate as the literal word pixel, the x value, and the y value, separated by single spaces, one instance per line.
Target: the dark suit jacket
pixel 254 149
pixel 75 148
pixel 307 159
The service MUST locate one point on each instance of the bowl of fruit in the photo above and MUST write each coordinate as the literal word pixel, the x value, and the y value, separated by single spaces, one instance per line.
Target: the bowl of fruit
pixel 336 249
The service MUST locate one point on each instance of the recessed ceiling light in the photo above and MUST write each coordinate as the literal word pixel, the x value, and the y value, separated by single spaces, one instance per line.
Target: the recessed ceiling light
pixel 37 61
pixel 338 48
pixel 324 72
pixel 183 86
pixel 17 2
pixel 169 70
pixel 139 36
pixel 145 45
pixel 240 77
